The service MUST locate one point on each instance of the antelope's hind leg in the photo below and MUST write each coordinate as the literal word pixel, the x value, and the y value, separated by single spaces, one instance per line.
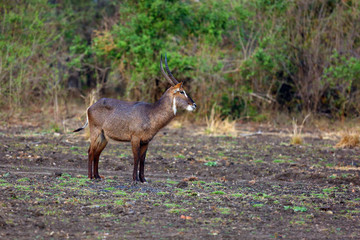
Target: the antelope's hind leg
pixel 97 145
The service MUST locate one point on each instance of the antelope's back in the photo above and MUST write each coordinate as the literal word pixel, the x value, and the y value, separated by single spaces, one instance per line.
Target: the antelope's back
pixel 119 119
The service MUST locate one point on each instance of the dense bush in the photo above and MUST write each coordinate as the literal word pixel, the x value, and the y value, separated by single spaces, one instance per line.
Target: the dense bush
pixel 243 56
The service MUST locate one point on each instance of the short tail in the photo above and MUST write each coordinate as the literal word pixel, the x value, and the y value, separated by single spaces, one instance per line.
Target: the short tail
pixel 87 122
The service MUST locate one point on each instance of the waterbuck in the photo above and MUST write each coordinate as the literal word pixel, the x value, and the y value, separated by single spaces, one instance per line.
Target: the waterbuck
pixel 135 122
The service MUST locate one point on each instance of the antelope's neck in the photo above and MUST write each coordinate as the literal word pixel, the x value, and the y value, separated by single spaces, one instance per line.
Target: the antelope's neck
pixel 162 112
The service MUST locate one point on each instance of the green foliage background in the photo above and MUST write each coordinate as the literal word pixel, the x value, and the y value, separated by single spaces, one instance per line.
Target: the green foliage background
pixel 246 57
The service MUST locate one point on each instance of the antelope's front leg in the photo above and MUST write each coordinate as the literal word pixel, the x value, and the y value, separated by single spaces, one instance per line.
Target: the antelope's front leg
pixel 135 143
pixel 143 150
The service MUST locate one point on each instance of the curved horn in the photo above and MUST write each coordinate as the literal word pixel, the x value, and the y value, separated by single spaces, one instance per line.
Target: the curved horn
pixel 170 74
pixel 163 72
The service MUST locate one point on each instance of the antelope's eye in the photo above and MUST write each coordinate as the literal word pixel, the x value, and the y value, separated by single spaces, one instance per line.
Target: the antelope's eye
pixel 182 92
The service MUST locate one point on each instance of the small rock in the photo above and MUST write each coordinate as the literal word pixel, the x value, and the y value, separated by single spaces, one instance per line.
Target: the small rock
pixel 58 174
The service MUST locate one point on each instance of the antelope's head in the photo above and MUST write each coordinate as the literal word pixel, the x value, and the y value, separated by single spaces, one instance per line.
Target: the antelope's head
pixel 177 92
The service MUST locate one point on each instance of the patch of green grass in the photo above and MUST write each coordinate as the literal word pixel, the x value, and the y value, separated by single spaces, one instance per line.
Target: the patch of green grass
pixel 120 202
pixel 218 192
pixel 199 182
pixel 258 205
pixel 300 222
pixel 66 175
pixel 353 211
pixel 211 164
pixel 23 188
pixel 225 210
pixel 318 195
pixel 51 213
pixel 106 215
pixel 23 179
pixel 120 192
pixel 329 164
pixel 333 176
pixel 177 210
pixel 172 205
pixel 140 194
pixel 162 193
pixel 6 185
pixel 237 195
pixel 171 181
pixel 109 188
pixel 110 180
pixel 180 156
pixel 123 155
pixel 180 192
pixel 296 208
pixel 279 161
pixel 328 190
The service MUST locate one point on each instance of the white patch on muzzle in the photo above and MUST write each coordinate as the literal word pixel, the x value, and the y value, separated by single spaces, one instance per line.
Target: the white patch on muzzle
pixel 190 108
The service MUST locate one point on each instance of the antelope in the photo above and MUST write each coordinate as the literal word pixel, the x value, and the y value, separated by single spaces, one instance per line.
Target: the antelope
pixel 135 122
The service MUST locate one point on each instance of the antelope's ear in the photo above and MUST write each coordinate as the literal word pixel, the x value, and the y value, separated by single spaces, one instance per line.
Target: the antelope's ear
pixel 177 87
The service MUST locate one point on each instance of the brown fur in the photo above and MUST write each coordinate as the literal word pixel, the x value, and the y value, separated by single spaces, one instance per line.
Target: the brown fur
pixel 135 122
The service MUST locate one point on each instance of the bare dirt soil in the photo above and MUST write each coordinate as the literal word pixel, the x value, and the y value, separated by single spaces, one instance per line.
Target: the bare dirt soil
pixel 252 186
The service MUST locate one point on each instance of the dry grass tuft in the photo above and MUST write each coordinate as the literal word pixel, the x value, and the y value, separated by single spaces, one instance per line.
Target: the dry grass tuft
pixel 349 140
pixel 297 137
pixel 217 125
pixel 297 140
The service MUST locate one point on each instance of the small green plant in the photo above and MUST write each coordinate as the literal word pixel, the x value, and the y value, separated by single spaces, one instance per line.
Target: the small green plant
pixel 172 205
pixel 218 193
pixel 140 194
pixel 162 193
pixel 23 179
pixel 258 205
pixel 328 190
pixel 120 202
pixel 171 182
pixel 225 210
pixel 120 192
pixel 211 164
pixel 237 195
pixel 175 210
pixel 296 208
pixel 279 161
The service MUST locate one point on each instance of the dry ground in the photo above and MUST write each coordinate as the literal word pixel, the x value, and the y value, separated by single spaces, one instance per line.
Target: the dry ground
pixel 252 186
